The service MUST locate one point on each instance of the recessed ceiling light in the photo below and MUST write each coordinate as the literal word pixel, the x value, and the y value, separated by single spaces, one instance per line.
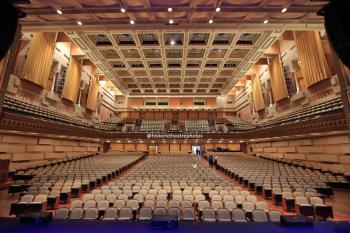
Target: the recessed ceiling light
pixel 132 22
pixel 217 9
pixel 122 10
pixel 240 141
pixel 171 21
pixel 231 141
pixel 79 23
pixel 170 9
pixel 266 21
pixel 211 21
pixel 172 42
pixel 59 12
pixel 129 141
pixel 118 141
pixel 284 10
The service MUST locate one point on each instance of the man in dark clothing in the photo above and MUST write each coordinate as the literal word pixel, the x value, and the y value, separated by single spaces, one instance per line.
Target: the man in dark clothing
pixel 210 160
pixel 216 162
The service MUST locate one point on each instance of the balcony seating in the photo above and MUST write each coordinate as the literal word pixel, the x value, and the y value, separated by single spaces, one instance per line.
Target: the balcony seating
pixel 196 126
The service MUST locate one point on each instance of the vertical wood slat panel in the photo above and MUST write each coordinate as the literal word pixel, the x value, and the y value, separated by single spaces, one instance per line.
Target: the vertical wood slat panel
pixel 313 62
pixel 39 59
pixel 258 97
pixel 278 83
pixel 91 102
pixel 72 82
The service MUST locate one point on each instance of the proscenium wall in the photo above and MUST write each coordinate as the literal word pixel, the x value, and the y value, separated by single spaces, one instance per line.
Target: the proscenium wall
pixel 332 152
pixel 31 148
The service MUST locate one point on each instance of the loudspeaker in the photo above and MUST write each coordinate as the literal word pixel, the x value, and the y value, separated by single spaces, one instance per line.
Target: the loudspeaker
pixel 295 221
pixel 35 217
pixel 165 221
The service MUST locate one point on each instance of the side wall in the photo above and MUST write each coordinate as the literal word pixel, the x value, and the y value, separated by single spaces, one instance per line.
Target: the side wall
pixel 332 152
pixel 31 148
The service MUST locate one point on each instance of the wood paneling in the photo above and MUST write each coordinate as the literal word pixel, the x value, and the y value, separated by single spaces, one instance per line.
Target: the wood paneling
pixel 39 59
pixel 72 82
pixel 313 62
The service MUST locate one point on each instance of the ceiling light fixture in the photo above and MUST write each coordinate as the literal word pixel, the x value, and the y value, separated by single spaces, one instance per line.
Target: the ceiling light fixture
pixel 284 10
pixel 79 23
pixel 122 10
pixel 170 9
pixel 211 21
pixel 171 21
pixel 172 42
pixel 218 9
pixel 266 21
pixel 132 21
pixel 59 12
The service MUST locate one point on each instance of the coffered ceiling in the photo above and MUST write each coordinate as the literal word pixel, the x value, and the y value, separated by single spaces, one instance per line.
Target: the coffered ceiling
pixel 198 47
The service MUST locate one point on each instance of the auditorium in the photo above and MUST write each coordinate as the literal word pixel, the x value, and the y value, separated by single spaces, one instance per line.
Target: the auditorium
pixel 174 116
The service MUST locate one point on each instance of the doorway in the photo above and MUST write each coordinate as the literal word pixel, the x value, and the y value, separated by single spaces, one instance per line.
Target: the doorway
pixel 195 148
pixel 153 150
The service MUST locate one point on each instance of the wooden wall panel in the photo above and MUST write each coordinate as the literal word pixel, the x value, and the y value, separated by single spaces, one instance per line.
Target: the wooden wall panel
pixel 39 58
pixel 117 146
pixel 193 115
pixel 168 116
pixel 129 146
pixel 163 147
pixel 158 115
pixel 92 98
pixel 72 83
pixel 175 147
pixel 313 62
pixel 186 147
pixel 149 115
pixel 141 147
pixel 183 116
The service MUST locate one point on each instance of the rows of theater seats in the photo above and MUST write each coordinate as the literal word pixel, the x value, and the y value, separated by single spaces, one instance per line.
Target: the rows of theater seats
pixel 197 125
pixel 295 188
pixel 238 124
pixel 24 172
pixel 170 184
pixel 153 125
pixel 46 186
pixel 325 108
pixel 315 111
pixel 113 124
pixel 25 108
pixel 341 176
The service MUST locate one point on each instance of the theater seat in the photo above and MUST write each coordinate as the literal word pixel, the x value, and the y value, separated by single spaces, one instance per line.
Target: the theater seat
pixel 259 216
pixel 61 213
pixel 145 213
pixel 110 214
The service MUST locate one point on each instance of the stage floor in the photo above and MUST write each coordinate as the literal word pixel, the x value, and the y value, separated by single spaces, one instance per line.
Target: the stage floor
pixel 14 226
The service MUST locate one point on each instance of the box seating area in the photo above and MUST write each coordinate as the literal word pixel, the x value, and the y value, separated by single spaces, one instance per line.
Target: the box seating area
pixel 170 185
pixel 153 125
pixel 24 108
pixel 113 124
pixel 197 125
pixel 287 185
pixel 328 107
pixel 238 124
pixel 235 123
pixel 47 186
pixel 325 108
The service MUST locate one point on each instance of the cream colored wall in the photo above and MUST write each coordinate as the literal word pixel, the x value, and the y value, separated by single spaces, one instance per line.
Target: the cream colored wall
pixel 315 150
pixel 31 148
